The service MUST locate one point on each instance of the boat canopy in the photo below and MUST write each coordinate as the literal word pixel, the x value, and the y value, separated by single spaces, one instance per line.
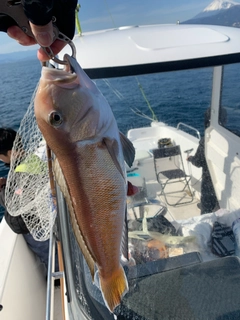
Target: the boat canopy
pixel 134 50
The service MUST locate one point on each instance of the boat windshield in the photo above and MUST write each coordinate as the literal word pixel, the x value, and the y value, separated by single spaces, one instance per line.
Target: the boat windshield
pixel 230 101
pixel 183 260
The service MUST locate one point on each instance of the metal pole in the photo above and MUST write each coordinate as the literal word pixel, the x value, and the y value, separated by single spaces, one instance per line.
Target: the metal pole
pixel 49 277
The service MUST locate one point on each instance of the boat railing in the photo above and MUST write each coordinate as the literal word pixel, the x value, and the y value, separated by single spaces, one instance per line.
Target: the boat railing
pixel 189 127
pixel 51 276
pixel 71 305
pixel 50 286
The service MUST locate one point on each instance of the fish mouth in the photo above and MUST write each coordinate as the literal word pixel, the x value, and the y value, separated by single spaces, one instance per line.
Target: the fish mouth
pixel 66 75
pixel 59 77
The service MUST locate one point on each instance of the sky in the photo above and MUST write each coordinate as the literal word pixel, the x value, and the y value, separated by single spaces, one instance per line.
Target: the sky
pixel 103 14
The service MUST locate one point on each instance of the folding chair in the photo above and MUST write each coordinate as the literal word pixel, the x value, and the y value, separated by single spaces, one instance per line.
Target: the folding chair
pixel 171 171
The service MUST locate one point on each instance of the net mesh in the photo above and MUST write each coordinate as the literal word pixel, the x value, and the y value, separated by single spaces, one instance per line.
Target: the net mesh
pixel 28 190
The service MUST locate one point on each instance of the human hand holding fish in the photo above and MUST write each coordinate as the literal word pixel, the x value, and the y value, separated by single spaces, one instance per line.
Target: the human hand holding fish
pixel 30 22
pixel 79 127
pixel 43 35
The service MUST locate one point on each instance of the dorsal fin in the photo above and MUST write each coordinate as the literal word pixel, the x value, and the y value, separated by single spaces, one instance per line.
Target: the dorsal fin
pixel 128 149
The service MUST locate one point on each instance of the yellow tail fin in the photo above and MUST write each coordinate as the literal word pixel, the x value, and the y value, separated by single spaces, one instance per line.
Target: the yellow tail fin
pixel 114 288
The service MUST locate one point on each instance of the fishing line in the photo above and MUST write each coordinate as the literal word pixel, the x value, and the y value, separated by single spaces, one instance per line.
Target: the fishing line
pixel 107 7
pixel 115 91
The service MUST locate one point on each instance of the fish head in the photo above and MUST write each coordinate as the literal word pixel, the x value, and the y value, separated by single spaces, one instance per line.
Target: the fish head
pixel 69 106
pixel 61 103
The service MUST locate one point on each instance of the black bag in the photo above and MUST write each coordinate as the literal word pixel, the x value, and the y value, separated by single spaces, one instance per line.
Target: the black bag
pixel 223 240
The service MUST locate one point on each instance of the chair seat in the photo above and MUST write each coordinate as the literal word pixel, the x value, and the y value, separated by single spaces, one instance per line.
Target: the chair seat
pixel 173 174
pixel 176 175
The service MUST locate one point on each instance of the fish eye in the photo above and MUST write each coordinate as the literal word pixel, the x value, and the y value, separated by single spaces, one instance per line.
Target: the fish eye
pixel 55 119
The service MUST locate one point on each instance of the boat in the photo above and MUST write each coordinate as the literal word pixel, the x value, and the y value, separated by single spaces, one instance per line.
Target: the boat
pixel 174 274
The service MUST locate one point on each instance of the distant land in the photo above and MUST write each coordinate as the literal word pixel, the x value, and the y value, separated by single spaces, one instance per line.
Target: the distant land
pixel 218 12
pixel 18 56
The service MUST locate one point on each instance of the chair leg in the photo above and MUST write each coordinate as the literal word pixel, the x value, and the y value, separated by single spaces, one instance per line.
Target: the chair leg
pixel 165 194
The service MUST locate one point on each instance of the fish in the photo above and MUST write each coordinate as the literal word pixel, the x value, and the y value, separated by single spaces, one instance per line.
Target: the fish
pixel 79 127
pixel 166 239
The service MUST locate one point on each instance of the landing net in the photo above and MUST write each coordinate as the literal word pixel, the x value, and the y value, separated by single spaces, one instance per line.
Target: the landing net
pixel 28 189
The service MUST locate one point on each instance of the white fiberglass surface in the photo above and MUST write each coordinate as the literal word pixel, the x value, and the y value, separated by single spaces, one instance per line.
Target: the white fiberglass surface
pixel 169 38
pixel 139 45
pixel 224 139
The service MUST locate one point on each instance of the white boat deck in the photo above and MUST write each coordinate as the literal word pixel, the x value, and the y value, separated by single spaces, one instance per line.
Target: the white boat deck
pixel 142 174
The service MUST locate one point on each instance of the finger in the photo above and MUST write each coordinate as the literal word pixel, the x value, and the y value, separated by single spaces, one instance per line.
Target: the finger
pixel 16 33
pixel 56 48
pixel 43 34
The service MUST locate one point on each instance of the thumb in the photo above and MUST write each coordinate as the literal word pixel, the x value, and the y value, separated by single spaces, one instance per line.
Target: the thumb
pixel 43 34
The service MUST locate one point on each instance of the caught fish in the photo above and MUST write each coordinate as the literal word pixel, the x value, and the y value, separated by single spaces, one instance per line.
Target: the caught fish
pixel 79 127
pixel 167 239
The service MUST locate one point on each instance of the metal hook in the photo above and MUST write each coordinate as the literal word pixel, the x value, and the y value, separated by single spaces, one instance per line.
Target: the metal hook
pixel 64 38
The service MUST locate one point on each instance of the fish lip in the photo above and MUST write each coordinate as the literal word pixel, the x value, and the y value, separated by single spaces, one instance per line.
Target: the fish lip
pixel 58 76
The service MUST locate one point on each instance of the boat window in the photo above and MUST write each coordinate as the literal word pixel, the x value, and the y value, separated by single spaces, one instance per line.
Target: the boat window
pixel 229 115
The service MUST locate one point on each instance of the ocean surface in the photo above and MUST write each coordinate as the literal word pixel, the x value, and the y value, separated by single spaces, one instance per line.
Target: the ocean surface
pixel 173 97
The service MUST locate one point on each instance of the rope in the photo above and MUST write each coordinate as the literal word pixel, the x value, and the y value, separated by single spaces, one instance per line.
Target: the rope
pixel 78 26
pixel 145 98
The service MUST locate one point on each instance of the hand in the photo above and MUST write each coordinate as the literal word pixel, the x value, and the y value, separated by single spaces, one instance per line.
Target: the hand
pixel 3 182
pixel 40 14
pixel 43 35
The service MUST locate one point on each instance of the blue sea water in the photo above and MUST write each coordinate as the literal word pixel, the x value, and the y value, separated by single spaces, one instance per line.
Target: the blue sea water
pixel 17 83
pixel 174 97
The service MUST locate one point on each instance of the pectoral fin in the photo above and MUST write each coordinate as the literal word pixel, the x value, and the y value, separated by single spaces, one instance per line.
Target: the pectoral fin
pixel 113 149
pixel 128 149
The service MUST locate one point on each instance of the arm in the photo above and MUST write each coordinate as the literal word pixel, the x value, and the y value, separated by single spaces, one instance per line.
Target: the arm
pixel 198 160
pixel 2 197
pixel 2 191
pixel 16 223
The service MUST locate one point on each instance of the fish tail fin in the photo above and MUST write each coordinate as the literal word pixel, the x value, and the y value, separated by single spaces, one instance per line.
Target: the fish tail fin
pixel 114 288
